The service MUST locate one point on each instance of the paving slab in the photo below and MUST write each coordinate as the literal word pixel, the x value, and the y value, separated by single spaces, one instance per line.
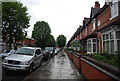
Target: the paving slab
pixel 59 67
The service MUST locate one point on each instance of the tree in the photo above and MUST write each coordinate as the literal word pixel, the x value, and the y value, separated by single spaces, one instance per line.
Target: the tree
pixel 61 40
pixel 51 42
pixel 41 32
pixel 14 21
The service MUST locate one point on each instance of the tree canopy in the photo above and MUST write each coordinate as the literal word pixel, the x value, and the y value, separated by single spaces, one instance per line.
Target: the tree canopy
pixel 51 42
pixel 41 33
pixel 14 21
pixel 61 40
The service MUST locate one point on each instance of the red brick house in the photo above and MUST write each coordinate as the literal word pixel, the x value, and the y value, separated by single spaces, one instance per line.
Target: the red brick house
pixel 109 27
pixel 26 42
pixel 101 32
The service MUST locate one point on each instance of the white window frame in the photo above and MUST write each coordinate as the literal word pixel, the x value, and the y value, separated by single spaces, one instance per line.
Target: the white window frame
pixel 80 36
pixel 93 24
pixel 91 43
pixel 114 9
pixel 99 23
pixel 114 30
pixel 86 31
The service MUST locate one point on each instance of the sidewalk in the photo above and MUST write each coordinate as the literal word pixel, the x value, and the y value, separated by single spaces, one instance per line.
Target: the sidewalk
pixel 59 67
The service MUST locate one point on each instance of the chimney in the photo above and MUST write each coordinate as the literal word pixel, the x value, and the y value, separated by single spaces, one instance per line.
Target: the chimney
pixel 97 5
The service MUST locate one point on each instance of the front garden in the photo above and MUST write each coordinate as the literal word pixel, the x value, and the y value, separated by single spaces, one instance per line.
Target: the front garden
pixel 113 59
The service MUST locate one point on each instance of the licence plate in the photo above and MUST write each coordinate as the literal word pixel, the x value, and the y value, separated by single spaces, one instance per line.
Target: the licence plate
pixel 12 68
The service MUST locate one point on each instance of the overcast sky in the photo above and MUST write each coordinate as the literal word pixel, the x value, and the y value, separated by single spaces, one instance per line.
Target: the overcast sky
pixel 63 16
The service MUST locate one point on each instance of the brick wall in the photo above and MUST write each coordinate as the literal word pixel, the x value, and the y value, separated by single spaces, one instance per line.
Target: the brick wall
pixel 89 29
pixel 104 17
pixel 93 74
pixel 84 33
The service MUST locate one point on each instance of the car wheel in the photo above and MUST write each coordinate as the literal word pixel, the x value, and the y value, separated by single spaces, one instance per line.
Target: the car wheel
pixel 31 68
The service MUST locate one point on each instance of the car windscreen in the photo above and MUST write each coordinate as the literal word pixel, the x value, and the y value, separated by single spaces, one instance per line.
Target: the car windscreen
pixel 25 51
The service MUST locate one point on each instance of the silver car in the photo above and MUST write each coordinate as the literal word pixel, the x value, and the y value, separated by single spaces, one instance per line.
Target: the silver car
pixel 24 59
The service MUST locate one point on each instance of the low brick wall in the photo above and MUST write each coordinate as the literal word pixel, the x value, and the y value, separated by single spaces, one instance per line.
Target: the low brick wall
pixel 77 61
pixel 70 54
pixel 94 70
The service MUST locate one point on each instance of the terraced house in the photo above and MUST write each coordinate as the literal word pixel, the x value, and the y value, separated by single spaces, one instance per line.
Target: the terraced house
pixel 100 32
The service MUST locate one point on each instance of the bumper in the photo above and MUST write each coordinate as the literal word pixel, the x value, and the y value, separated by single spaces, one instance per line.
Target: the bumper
pixel 15 67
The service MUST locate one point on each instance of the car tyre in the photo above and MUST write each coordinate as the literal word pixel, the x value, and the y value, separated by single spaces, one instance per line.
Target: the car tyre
pixel 31 68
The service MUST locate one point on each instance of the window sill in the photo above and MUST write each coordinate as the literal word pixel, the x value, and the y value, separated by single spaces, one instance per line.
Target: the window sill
pixel 113 17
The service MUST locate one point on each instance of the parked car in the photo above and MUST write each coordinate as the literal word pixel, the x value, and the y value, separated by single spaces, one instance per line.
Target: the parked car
pixel 7 53
pixel 57 50
pixel 24 59
pixel 46 55
pixel 50 50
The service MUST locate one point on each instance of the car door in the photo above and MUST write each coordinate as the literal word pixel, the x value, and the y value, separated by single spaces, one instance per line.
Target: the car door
pixel 38 57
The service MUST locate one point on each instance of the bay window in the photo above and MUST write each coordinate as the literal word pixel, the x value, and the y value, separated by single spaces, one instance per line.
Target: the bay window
pixel 111 41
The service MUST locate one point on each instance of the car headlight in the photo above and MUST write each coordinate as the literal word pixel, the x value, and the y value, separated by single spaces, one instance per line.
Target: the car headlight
pixel 24 63
pixel 5 61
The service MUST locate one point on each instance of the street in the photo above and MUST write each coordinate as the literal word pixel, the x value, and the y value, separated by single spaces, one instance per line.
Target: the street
pixel 58 67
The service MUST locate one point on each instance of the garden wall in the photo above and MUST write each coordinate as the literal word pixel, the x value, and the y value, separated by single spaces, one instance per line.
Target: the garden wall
pixel 94 70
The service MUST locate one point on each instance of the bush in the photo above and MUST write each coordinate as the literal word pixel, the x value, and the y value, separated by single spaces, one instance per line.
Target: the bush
pixel 69 49
pixel 110 59
pixel 98 57
pixel 105 53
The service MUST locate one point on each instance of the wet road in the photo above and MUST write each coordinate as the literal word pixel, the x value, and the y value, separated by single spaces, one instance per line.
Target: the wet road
pixel 60 67
pixel 16 76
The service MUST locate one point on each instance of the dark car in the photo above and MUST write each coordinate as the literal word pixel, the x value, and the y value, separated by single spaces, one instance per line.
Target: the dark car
pixel 50 50
pixel 46 55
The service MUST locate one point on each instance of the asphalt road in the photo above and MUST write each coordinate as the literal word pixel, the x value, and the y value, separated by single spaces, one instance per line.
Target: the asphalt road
pixel 16 76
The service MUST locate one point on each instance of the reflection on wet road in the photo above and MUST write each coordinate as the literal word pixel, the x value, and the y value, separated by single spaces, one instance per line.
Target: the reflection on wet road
pixel 59 67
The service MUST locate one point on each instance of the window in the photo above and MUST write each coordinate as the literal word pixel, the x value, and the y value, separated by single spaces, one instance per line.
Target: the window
pixel 38 52
pixel 86 31
pixel 118 45
pixel 112 46
pixel 91 45
pixel 114 9
pixel 109 42
pixel 99 23
pixel 93 27
pixel 94 48
pixel 103 37
pixel 118 34
pixel 107 36
pixel 111 35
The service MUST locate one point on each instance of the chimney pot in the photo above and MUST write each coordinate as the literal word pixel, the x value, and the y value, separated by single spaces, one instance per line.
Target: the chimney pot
pixel 97 5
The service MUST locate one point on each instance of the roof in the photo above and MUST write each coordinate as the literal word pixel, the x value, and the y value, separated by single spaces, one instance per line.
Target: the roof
pixel 94 11
pixel 86 20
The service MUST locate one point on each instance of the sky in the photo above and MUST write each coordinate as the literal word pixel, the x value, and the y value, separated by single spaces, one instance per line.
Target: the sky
pixel 63 16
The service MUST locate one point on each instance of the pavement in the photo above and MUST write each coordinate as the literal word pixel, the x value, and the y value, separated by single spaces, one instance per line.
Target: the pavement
pixel 59 67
